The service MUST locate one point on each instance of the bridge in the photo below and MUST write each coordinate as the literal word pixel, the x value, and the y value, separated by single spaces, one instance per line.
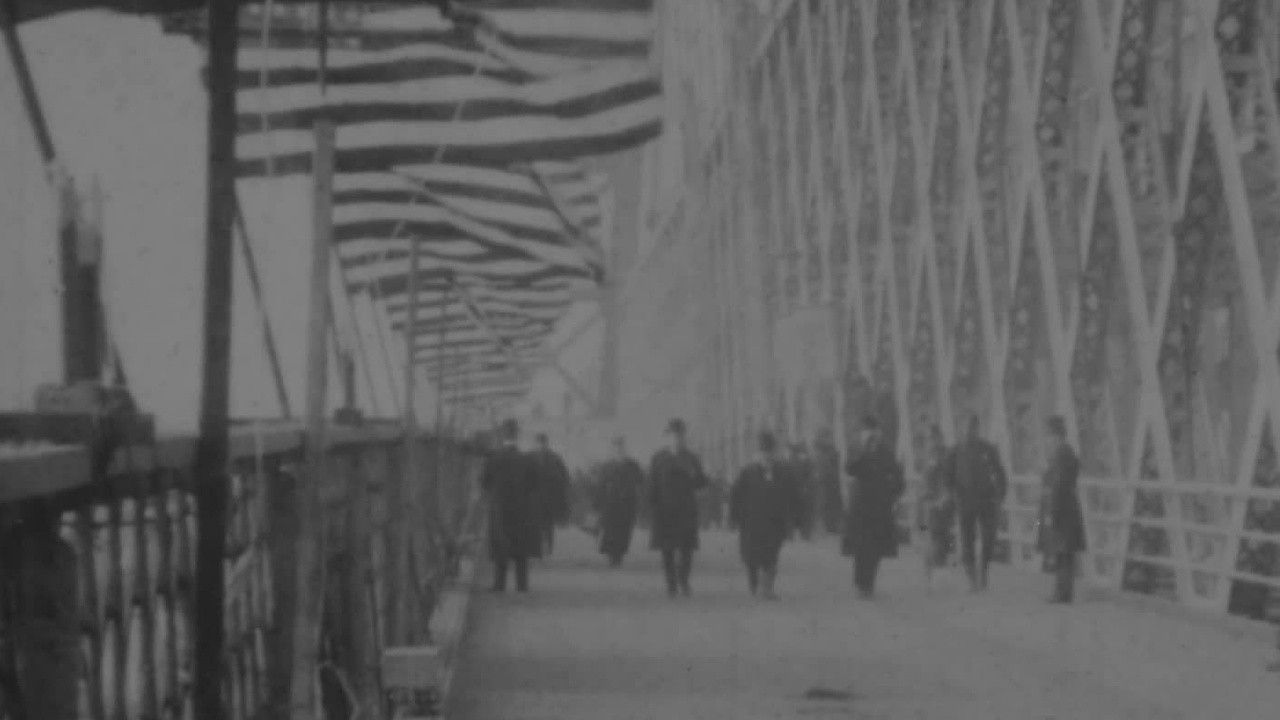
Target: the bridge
pixel 775 214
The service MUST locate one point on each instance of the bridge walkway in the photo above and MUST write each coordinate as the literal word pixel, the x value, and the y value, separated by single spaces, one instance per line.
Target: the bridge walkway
pixel 590 642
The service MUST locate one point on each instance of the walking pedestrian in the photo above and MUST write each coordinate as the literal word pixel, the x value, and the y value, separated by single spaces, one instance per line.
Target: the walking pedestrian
pixel 765 507
pixel 511 486
pixel 980 487
pixel 802 472
pixel 619 496
pixel 1061 522
pixel 554 481
pixel 675 477
pixel 938 504
pixel 830 503
pixel 870 524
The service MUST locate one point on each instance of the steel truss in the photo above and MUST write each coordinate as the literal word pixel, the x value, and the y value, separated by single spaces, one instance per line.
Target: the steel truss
pixel 1009 208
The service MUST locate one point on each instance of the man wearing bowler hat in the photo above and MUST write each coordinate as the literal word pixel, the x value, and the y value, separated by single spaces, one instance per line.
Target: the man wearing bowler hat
pixel 675 477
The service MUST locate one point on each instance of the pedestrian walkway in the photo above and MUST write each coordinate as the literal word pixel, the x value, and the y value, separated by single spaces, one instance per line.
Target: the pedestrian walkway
pixel 600 644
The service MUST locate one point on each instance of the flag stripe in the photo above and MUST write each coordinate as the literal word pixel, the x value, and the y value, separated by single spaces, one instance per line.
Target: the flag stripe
pixel 378 146
pixel 449 99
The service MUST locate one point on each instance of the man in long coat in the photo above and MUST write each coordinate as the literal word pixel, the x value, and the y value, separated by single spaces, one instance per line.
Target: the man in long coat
pixel 554 481
pixel 619 496
pixel 801 471
pixel 1061 524
pixel 871 531
pixel 826 467
pixel 980 487
pixel 675 477
pixel 765 507
pixel 512 486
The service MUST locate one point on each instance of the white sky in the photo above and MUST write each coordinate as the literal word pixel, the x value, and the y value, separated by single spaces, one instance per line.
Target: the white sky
pixel 125 104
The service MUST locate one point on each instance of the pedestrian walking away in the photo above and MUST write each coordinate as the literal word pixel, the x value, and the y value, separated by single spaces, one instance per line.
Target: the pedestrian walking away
pixel 980 487
pixel 830 503
pixel 675 477
pixel 1061 523
pixel 937 511
pixel 511 487
pixel 619 496
pixel 765 508
pixel 553 477
pixel 802 474
pixel 871 531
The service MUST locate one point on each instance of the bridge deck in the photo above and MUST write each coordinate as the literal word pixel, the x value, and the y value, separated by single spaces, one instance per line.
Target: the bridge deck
pixel 590 642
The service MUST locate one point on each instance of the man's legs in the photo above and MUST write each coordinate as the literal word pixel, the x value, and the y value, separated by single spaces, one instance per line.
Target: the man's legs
pixel 769 574
pixel 684 567
pixel 968 533
pixel 1064 572
pixel 522 573
pixel 669 569
pixel 988 518
pixel 866 562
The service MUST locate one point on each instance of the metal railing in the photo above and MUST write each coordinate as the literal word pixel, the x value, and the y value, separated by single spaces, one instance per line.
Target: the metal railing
pixel 98 574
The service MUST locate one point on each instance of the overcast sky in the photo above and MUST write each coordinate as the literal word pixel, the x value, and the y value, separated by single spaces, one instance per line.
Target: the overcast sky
pixel 125 105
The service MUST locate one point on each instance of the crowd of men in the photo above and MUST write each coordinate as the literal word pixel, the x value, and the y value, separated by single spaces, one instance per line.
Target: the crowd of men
pixel 777 497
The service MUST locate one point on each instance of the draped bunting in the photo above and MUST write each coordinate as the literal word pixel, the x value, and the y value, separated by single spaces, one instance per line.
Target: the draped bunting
pixel 460 133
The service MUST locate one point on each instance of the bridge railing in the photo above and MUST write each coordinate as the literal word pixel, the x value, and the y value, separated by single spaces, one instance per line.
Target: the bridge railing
pixel 97 574
pixel 1207 545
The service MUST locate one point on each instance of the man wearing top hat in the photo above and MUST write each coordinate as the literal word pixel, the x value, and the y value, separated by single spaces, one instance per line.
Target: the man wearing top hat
pixel 675 477
pixel 512 486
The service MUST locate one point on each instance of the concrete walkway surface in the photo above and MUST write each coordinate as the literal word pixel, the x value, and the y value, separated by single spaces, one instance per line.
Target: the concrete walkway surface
pixel 594 643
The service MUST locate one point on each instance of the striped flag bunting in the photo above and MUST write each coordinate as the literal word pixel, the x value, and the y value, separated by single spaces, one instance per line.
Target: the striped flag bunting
pixel 544 285
pixel 501 323
pixel 568 201
pixel 473 120
pixel 373 273
pixel 429 345
pixel 552 37
pixel 460 130
pixel 368 220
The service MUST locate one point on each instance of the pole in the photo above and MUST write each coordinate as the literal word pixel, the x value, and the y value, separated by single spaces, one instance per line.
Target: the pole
pixel 310 557
pixel 399 511
pixel 26 86
pixel 268 337
pixel 77 260
pixel 211 450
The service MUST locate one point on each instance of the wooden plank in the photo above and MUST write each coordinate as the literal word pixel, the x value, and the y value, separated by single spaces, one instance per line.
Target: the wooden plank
pixel 310 551
pixel 398 560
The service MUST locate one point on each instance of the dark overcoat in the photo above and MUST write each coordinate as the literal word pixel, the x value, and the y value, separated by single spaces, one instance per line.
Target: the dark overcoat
pixel 938 504
pixel 980 478
pixel 827 470
pixel 553 478
pixel 675 477
pixel 1061 526
pixel 618 499
pixel 870 524
pixel 512 486
pixel 765 506
pixel 801 470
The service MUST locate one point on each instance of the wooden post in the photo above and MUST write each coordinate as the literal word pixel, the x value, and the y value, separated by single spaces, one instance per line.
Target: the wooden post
pixel 212 452
pixel 310 551
pixel 398 595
